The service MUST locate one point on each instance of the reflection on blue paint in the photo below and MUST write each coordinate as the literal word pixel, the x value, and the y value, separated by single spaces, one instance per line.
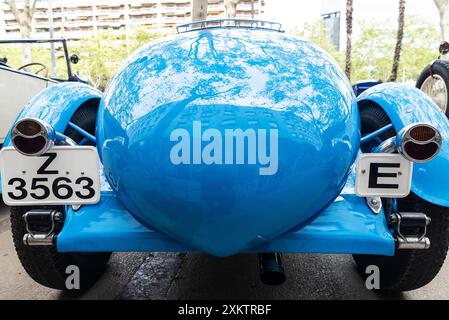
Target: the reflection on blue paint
pixel 228 79
pixel 235 79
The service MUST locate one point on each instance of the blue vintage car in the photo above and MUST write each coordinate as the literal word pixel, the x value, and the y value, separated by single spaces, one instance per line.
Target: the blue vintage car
pixel 228 137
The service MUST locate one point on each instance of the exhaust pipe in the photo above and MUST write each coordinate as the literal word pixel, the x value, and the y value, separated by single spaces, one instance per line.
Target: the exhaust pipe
pixel 271 269
pixel 418 143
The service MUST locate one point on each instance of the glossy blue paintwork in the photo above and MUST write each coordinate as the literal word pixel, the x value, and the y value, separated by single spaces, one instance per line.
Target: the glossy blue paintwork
pixel 370 137
pixel 83 132
pixel 57 104
pixel 228 79
pixel 362 86
pixel 406 106
pixel 347 226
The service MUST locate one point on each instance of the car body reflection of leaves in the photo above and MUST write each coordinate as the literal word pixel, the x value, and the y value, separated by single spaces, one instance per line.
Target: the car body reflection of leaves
pixel 228 79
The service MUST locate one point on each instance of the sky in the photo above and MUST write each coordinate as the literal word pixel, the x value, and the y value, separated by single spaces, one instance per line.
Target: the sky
pixel 296 12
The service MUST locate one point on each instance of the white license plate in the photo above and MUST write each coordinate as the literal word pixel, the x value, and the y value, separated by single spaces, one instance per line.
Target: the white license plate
pixel 383 175
pixel 65 175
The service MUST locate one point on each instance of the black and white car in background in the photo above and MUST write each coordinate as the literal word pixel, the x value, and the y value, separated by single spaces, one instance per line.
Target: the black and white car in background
pixel 434 80
pixel 19 85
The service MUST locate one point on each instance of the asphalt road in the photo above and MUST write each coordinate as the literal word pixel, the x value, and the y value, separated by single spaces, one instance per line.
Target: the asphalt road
pixel 199 276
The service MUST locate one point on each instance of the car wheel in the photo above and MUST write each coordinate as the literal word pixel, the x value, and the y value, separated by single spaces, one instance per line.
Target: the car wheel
pixel 407 269
pixel 412 269
pixel 43 263
pixel 434 81
pixel 47 266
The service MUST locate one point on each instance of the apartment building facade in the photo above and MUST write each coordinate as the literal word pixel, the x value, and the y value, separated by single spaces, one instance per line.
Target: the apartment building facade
pixel 79 19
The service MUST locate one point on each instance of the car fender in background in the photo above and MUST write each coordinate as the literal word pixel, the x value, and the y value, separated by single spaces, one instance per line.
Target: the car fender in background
pixel 405 106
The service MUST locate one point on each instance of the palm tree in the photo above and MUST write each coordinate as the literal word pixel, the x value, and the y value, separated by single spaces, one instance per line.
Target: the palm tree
pixel 400 36
pixel 443 9
pixel 349 11
pixel 199 10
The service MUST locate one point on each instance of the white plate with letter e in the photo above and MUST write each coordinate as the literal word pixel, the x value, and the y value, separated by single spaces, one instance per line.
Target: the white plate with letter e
pixel 65 175
pixel 383 175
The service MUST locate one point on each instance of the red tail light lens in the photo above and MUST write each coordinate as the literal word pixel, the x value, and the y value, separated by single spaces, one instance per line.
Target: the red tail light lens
pixel 32 137
pixel 29 128
pixel 419 143
pixel 29 146
pixel 421 152
pixel 422 133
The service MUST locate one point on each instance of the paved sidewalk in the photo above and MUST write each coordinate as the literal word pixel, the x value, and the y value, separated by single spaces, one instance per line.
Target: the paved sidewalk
pixel 199 276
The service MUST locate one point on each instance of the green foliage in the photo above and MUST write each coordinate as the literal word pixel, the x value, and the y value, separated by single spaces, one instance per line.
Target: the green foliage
pixel 101 56
pixel 39 53
pixel 373 49
pixel 13 54
pixel 317 34
pixel 372 55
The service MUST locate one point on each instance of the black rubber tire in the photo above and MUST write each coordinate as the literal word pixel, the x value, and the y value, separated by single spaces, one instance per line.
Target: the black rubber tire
pixel 441 68
pixel 47 266
pixel 44 264
pixel 408 269
pixel 412 269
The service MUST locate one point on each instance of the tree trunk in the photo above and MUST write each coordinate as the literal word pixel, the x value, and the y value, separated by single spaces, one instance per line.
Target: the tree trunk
pixel 349 12
pixel 231 8
pixel 443 9
pixel 25 32
pixel 24 17
pixel 199 10
pixel 397 51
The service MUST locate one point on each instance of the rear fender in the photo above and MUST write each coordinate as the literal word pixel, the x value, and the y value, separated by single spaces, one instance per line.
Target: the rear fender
pixel 57 104
pixel 406 106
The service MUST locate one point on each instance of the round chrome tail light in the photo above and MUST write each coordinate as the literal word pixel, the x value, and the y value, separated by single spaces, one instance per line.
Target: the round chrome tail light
pixel 32 137
pixel 419 142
